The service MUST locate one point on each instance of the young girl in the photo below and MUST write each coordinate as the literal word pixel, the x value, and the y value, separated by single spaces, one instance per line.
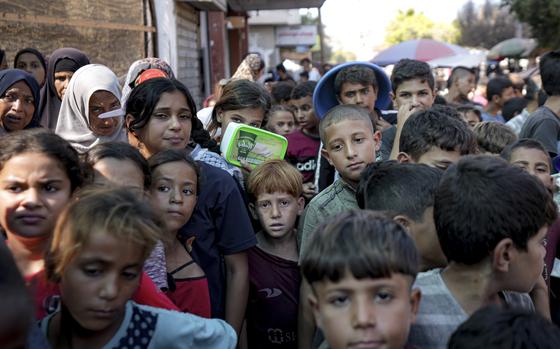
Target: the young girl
pixel 91 109
pixel 39 172
pixel 242 101
pixel 96 255
pixel 173 195
pixel 281 120
pixel 161 115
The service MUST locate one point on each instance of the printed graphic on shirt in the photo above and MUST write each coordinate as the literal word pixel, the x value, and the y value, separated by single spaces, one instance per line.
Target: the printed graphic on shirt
pixel 140 330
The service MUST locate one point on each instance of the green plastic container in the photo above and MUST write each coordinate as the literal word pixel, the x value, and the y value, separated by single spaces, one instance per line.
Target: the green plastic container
pixel 252 145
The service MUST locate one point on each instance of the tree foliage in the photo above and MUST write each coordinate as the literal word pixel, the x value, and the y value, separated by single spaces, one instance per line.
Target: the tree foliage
pixel 543 17
pixel 486 25
pixel 409 25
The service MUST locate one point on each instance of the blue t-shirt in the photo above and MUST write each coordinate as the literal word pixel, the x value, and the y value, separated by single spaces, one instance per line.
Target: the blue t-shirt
pixel 220 226
pixel 497 118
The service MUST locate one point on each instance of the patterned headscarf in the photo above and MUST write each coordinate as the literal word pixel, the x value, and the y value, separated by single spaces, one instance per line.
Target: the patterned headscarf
pixel 138 68
pixel 249 68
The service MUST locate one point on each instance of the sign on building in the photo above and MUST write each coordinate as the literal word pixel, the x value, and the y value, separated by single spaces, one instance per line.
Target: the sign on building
pixel 300 35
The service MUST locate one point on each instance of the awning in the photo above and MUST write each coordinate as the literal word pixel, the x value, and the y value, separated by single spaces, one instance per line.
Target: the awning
pixel 253 5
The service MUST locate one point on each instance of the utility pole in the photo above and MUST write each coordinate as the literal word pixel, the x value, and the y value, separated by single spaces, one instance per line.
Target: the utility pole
pixel 321 38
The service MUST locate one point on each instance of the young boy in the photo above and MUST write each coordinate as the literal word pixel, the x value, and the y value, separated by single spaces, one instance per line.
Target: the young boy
pixel 361 267
pixel 497 328
pixel 413 89
pixel 350 142
pixel 461 82
pixel 498 91
pixel 544 124
pixel 406 192
pixel 491 220
pixel 433 138
pixel 493 137
pixel 275 188
pixel 303 144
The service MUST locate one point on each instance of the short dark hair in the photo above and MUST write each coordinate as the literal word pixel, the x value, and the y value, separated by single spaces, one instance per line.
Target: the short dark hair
pixel 526 143
pixel 405 188
pixel 304 89
pixel 449 110
pixel 173 155
pixel 549 67
pixel 496 327
pixel 496 86
pixel 355 74
pixel 365 243
pixel 432 128
pixel 493 137
pixel 459 72
pixel 281 92
pixel 119 151
pixel 465 108
pixel 340 113
pixel 305 60
pixel 482 200
pixel 280 67
pixel 43 141
pixel 409 69
pixel 514 106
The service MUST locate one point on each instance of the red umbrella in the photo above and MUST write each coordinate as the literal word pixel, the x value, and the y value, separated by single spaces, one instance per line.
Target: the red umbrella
pixel 421 50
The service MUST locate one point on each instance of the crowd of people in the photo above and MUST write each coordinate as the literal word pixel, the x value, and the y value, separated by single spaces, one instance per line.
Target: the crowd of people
pixel 399 217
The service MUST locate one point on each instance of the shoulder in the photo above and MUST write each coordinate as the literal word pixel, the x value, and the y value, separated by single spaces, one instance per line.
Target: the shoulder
pixel 518 300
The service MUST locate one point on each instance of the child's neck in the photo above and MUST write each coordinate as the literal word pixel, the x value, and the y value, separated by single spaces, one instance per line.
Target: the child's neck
pixel 285 247
pixel 492 109
pixel 29 253
pixel 314 132
pixel 473 286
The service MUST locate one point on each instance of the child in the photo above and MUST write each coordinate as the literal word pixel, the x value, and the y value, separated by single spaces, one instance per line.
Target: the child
pixel 303 144
pixel 413 87
pixel 173 194
pixel 433 138
pixel 460 84
pixel 350 142
pixel 470 114
pixel 544 124
pixel 276 192
pixel 281 120
pixel 493 137
pixel 492 220
pixel 498 91
pixel 281 92
pixel 361 267
pixel 406 192
pixel 96 255
pixel 496 328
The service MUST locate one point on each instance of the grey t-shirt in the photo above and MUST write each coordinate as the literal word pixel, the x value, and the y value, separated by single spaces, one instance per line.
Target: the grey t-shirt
pixel 544 126
pixel 440 314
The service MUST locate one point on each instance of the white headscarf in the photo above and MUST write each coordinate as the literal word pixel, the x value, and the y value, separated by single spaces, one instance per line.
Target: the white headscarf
pixel 73 120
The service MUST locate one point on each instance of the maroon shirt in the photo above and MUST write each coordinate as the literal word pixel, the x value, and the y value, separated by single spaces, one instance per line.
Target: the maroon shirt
pixel 553 237
pixel 272 309
pixel 302 152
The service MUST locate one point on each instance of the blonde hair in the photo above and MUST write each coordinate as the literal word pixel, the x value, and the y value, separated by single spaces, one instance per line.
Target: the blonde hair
pixel 275 176
pixel 117 212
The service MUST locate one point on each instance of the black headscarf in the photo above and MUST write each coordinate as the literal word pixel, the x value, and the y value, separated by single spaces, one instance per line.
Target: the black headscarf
pixel 8 77
pixel 33 51
pixel 50 104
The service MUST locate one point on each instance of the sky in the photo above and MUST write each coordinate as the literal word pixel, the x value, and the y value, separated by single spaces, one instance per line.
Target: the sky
pixel 359 25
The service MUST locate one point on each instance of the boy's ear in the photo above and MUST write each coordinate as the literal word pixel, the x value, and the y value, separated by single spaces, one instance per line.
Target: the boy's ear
pixel 394 99
pixel 403 158
pixel 325 154
pixel 253 211
pixel 503 255
pixel 404 221
pixel 314 304
pixel 377 138
pixel 415 297
pixel 301 205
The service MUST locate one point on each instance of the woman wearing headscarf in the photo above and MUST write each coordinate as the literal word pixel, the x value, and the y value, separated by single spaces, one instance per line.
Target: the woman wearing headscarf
pixel 137 68
pixel 62 65
pixel 19 101
pixel 251 68
pixel 91 109
pixel 33 62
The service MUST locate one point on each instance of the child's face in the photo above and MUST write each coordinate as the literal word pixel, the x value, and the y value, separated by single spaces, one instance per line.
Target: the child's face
pixel 122 173
pixel 278 212
pixel 528 265
pixel 416 92
pixel 425 236
pixel 34 188
pixel 247 116
pixel 471 118
pixel 358 94
pixel 173 193
pixel 365 313
pixel 437 157
pixel 99 280
pixel 281 122
pixel 466 84
pixel 305 116
pixel 350 146
pixel 535 162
